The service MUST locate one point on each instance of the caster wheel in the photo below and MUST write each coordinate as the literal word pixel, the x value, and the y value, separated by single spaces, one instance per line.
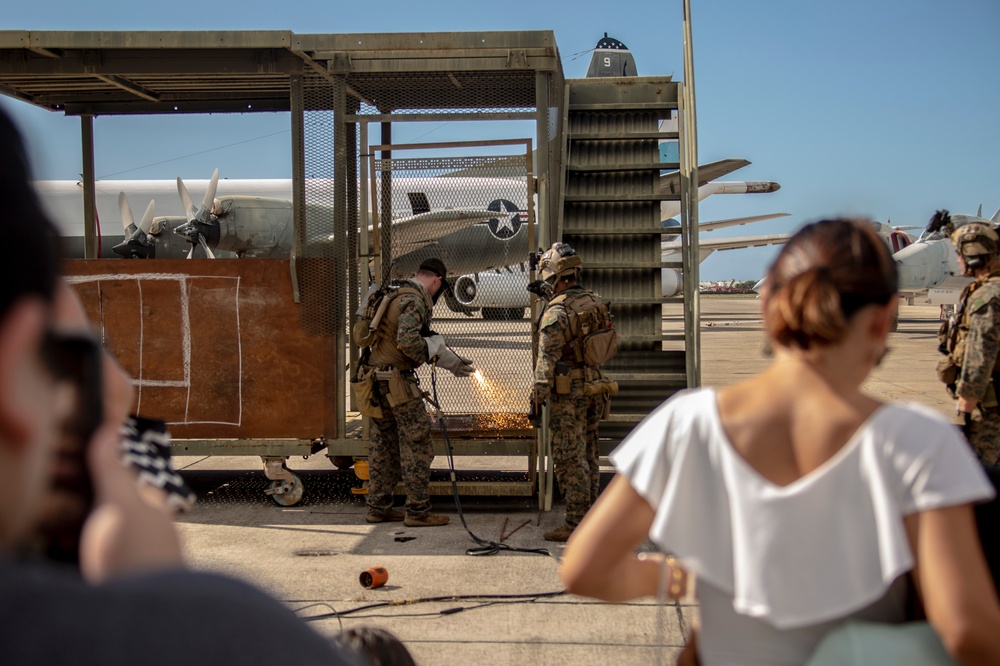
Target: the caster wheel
pixel 286 493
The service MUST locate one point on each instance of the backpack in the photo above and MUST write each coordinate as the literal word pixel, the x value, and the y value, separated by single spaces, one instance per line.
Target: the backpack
pixel 365 331
pixel 594 339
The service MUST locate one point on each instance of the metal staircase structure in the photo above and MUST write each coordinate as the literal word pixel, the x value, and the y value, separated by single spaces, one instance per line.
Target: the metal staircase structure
pixel 610 214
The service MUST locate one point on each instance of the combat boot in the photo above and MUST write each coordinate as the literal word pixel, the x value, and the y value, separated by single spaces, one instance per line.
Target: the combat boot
pixel 560 534
pixel 427 520
pixel 390 516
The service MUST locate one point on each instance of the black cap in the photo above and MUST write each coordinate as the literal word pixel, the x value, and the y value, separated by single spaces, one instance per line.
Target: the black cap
pixel 436 266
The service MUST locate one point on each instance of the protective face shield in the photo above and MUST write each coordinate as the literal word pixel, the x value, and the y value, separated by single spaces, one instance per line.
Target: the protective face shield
pixel 560 260
pixel 977 243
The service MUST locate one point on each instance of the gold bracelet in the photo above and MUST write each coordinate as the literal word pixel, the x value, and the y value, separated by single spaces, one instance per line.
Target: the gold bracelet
pixel 678 578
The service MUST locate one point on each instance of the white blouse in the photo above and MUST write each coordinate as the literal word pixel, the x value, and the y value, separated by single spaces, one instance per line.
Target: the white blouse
pixel 786 560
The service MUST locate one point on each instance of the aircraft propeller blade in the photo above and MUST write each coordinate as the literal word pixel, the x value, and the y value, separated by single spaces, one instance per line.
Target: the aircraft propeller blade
pixel 146 223
pixel 189 208
pixel 196 214
pixel 206 202
pixel 204 244
pixel 126 211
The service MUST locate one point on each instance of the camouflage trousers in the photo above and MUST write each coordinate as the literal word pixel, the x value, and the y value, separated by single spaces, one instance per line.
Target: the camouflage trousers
pixel 984 436
pixel 400 449
pixel 573 421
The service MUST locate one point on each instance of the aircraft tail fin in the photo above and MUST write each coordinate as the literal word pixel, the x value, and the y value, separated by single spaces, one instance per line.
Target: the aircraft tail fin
pixel 611 58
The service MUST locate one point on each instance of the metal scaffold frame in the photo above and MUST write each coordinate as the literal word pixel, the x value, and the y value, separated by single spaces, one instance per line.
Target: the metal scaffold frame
pixel 335 87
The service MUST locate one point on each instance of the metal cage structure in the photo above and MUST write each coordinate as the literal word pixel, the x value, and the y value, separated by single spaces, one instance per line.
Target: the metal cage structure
pixel 352 198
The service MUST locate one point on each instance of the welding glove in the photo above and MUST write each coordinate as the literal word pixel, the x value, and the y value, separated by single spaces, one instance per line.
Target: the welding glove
pixel 437 351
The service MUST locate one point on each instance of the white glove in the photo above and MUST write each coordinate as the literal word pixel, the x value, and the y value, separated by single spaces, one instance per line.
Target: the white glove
pixel 435 345
pixel 437 351
pixel 455 364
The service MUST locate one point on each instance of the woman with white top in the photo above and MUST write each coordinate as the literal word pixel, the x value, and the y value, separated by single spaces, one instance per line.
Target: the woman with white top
pixel 799 501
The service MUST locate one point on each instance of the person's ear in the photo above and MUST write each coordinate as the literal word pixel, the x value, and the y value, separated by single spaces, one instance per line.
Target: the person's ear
pixel 21 332
pixel 883 318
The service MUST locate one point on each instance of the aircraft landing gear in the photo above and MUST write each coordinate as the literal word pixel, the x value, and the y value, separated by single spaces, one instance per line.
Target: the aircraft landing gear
pixel 286 488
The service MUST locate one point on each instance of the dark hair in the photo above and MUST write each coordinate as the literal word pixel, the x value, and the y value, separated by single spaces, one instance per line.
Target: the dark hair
pixel 826 273
pixel 376 647
pixel 29 262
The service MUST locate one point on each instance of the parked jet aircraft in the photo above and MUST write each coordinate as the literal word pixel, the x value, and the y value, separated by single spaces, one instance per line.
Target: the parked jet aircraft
pixel 930 265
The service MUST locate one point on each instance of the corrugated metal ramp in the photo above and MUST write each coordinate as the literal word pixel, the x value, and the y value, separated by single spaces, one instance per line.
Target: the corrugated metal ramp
pixel 611 216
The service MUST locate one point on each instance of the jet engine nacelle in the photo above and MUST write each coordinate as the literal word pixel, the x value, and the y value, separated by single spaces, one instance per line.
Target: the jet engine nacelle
pixel 500 295
pixel 671 281
pixel 926 264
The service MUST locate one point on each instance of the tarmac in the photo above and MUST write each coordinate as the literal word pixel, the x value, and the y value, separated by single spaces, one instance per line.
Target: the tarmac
pixel 438 599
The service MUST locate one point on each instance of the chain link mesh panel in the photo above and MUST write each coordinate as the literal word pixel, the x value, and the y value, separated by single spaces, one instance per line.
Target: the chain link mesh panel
pixel 444 92
pixel 317 264
pixel 472 213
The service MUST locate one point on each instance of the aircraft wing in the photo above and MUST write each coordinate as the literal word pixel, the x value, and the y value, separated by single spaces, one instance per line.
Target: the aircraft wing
pixel 671 182
pixel 417 231
pixel 671 249
pixel 735 221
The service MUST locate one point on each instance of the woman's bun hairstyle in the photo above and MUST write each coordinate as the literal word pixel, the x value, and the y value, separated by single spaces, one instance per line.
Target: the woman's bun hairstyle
pixel 826 273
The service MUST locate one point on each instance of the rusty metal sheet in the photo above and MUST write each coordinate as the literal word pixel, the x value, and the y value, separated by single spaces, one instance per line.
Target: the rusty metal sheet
pixel 215 348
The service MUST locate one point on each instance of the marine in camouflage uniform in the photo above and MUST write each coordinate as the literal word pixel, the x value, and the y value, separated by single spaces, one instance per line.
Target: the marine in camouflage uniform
pixel 401 440
pixel 573 416
pixel 972 340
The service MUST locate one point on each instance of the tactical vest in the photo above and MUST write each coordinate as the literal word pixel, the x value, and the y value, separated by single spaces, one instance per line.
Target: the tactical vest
pixel 954 333
pixel 592 340
pixel 384 351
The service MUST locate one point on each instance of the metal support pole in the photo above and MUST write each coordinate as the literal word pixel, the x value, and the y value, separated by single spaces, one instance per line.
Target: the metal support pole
pixel 689 168
pixel 385 206
pixel 352 251
pixel 544 209
pixel 297 105
pixel 364 240
pixel 89 188
pixel 340 260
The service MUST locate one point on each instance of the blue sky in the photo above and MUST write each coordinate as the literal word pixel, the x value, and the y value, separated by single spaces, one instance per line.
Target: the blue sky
pixel 884 109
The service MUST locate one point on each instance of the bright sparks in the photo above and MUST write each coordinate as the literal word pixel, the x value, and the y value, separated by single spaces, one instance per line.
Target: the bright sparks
pixel 479 378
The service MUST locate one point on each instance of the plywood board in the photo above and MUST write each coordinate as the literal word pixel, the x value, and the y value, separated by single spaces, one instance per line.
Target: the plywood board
pixel 215 347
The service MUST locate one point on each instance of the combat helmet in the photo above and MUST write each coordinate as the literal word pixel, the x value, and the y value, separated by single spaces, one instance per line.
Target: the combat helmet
pixel 976 241
pixel 559 261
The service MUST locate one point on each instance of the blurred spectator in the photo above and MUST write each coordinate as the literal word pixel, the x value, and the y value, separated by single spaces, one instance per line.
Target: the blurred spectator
pixel 799 501
pixel 135 604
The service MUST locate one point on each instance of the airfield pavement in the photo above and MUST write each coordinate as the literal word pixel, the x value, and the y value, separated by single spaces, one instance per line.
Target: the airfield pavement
pixel 310 555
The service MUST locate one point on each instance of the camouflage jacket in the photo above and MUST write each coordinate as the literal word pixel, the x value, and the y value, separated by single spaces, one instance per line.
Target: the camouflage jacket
pixel 403 345
pixel 979 321
pixel 554 338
